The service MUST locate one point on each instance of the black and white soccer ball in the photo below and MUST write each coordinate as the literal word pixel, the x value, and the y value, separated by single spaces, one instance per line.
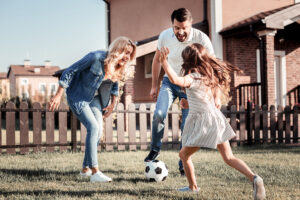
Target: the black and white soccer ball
pixel 156 170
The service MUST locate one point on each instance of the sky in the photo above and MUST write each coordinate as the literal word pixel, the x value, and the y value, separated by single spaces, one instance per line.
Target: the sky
pixel 61 31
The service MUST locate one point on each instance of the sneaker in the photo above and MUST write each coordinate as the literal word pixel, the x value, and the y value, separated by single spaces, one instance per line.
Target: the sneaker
pixel 88 173
pixel 152 156
pixel 100 177
pixel 259 191
pixel 188 189
pixel 182 172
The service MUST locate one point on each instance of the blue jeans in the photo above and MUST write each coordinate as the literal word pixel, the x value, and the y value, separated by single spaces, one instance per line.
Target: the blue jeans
pixel 167 94
pixel 91 118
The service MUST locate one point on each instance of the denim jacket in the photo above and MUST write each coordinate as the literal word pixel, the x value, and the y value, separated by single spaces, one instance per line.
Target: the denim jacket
pixel 83 78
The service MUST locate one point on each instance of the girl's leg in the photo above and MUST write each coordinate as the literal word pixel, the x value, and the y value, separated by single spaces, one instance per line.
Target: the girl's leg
pixel 232 161
pixel 185 155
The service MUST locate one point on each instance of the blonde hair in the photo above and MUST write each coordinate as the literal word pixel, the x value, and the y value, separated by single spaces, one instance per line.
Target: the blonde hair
pixel 115 49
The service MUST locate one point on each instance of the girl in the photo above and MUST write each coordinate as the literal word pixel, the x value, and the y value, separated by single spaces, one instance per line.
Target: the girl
pixel 81 81
pixel 205 78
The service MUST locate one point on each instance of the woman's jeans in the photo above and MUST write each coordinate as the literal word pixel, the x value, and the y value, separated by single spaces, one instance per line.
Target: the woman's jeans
pixel 91 118
pixel 167 94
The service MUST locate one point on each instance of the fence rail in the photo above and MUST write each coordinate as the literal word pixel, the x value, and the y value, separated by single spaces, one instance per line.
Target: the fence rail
pixel 37 129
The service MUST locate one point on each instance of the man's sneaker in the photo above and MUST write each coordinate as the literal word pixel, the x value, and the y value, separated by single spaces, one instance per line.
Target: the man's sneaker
pixel 182 172
pixel 88 173
pixel 152 156
pixel 259 191
pixel 187 189
pixel 100 177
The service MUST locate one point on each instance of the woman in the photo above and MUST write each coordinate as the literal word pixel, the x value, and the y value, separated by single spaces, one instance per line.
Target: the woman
pixel 81 81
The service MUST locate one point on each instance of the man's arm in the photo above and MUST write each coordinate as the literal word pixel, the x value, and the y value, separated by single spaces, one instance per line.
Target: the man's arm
pixel 155 75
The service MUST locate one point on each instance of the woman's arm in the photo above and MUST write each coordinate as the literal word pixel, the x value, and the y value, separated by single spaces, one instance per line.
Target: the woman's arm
pixel 174 78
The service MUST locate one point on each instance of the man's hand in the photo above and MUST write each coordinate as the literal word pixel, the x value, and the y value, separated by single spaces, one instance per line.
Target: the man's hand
pixel 108 110
pixel 153 93
pixel 184 104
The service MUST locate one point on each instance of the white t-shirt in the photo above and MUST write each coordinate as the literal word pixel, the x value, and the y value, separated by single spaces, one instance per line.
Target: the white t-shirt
pixel 168 39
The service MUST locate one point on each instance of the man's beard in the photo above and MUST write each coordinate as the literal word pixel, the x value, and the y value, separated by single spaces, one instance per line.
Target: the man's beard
pixel 181 37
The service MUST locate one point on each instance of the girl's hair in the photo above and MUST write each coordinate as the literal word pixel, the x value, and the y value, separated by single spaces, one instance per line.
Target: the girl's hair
pixel 115 49
pixel 215 73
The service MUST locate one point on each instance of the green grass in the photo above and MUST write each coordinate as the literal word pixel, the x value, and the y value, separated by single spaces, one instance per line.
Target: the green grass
pixel 55 175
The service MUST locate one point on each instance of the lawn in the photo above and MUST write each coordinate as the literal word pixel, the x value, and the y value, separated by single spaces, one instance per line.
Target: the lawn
pixel 55 175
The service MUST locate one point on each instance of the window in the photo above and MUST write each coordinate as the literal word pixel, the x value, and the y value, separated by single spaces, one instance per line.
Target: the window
pixel 53 88
pixel 148 65
pixel 42 88
pixel 24 81
pixel 25 95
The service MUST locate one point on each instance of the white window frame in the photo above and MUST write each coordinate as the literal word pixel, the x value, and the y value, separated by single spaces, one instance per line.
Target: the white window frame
pixel 282 72
pixel 55 87
pixel 148 64
pixel 22 81
pixel 258 74
pixel 42 92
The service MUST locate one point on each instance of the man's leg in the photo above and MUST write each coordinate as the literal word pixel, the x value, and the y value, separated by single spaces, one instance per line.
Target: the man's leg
pixel 164 101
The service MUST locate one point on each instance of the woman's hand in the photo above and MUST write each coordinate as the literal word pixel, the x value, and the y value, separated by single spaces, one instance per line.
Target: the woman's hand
pixel 163 55
pixel 55 101
pixel 108 110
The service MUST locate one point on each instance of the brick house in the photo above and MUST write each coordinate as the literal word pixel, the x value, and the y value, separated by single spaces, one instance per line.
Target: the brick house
pixel 4 86
pixel 32 81
pixel 253 36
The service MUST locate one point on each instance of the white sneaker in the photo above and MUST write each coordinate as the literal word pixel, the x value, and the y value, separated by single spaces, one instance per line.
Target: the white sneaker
pixel 88 173
pixel 187 189
pixel 100 177
pixel 259 191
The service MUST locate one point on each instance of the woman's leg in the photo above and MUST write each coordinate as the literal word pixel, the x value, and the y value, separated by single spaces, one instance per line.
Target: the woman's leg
pixel 185 155
pixel 232 161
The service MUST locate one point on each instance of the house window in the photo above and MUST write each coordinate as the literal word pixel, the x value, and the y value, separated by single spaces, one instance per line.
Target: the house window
pixel 148 65
pixel 24 81
pixel 53 88
pixel 42 88
pixel 25 95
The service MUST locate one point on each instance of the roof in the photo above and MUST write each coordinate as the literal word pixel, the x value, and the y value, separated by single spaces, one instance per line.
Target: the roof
pixel 20 70
pixel 3 75
pixel 253 19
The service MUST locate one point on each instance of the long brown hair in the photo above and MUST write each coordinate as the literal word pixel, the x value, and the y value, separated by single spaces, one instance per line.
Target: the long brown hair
pixel 214 72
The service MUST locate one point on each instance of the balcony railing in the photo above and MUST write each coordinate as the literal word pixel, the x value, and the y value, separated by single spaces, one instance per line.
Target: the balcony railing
pixel 250 92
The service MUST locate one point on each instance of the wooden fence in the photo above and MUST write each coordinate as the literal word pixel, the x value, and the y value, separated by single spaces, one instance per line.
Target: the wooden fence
pixel 37 129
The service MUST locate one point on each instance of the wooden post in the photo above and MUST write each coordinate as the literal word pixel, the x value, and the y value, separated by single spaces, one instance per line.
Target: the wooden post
pixel 24 136
pixel 10 128
pixel 50 130
pixel 273 124
pixel 109 133
pixel 74 132
pixel 280 124
pixel 233 123
pixel 62 126
pixel 265 123
pixel 175 127
pixel 37 126
pixel 257 125
pixel 295 125
pixel 143 126
pixel 132 126
pixel 249 122
pixel 120 126
pixel 242 117
pixel 287 112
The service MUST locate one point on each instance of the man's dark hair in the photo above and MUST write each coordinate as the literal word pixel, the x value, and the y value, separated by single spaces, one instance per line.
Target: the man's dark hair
pixel 181 15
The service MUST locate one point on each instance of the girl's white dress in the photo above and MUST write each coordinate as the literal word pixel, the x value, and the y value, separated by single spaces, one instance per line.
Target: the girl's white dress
pixel 205 125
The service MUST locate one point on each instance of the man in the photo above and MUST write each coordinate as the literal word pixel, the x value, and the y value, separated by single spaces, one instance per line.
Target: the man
pixel 175 39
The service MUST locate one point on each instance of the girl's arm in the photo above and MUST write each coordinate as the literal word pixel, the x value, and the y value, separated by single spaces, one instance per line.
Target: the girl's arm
pixel 217 97
pixel 174 78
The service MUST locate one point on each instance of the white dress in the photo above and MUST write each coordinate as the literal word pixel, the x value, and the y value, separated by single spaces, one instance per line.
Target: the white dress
pixel 205 125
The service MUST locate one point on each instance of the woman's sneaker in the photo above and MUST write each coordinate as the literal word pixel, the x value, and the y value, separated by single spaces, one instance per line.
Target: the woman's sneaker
pixel 88 173
pixel 100 177
pixel 259 191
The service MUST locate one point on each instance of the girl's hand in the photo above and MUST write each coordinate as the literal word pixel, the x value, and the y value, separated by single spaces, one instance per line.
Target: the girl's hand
pixel 184 104
pixel 218 103
pixel 54 102
pixel 163 54
pixel 108 110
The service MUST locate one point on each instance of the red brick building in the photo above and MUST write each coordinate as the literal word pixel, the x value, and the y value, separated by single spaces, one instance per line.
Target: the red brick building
pixel 260 37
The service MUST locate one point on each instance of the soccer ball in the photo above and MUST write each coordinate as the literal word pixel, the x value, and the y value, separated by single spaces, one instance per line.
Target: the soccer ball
pixel 156 171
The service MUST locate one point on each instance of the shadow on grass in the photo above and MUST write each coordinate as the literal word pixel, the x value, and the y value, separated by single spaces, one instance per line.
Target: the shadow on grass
pixel 37 173
pixel 269 148
pixel 163 194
